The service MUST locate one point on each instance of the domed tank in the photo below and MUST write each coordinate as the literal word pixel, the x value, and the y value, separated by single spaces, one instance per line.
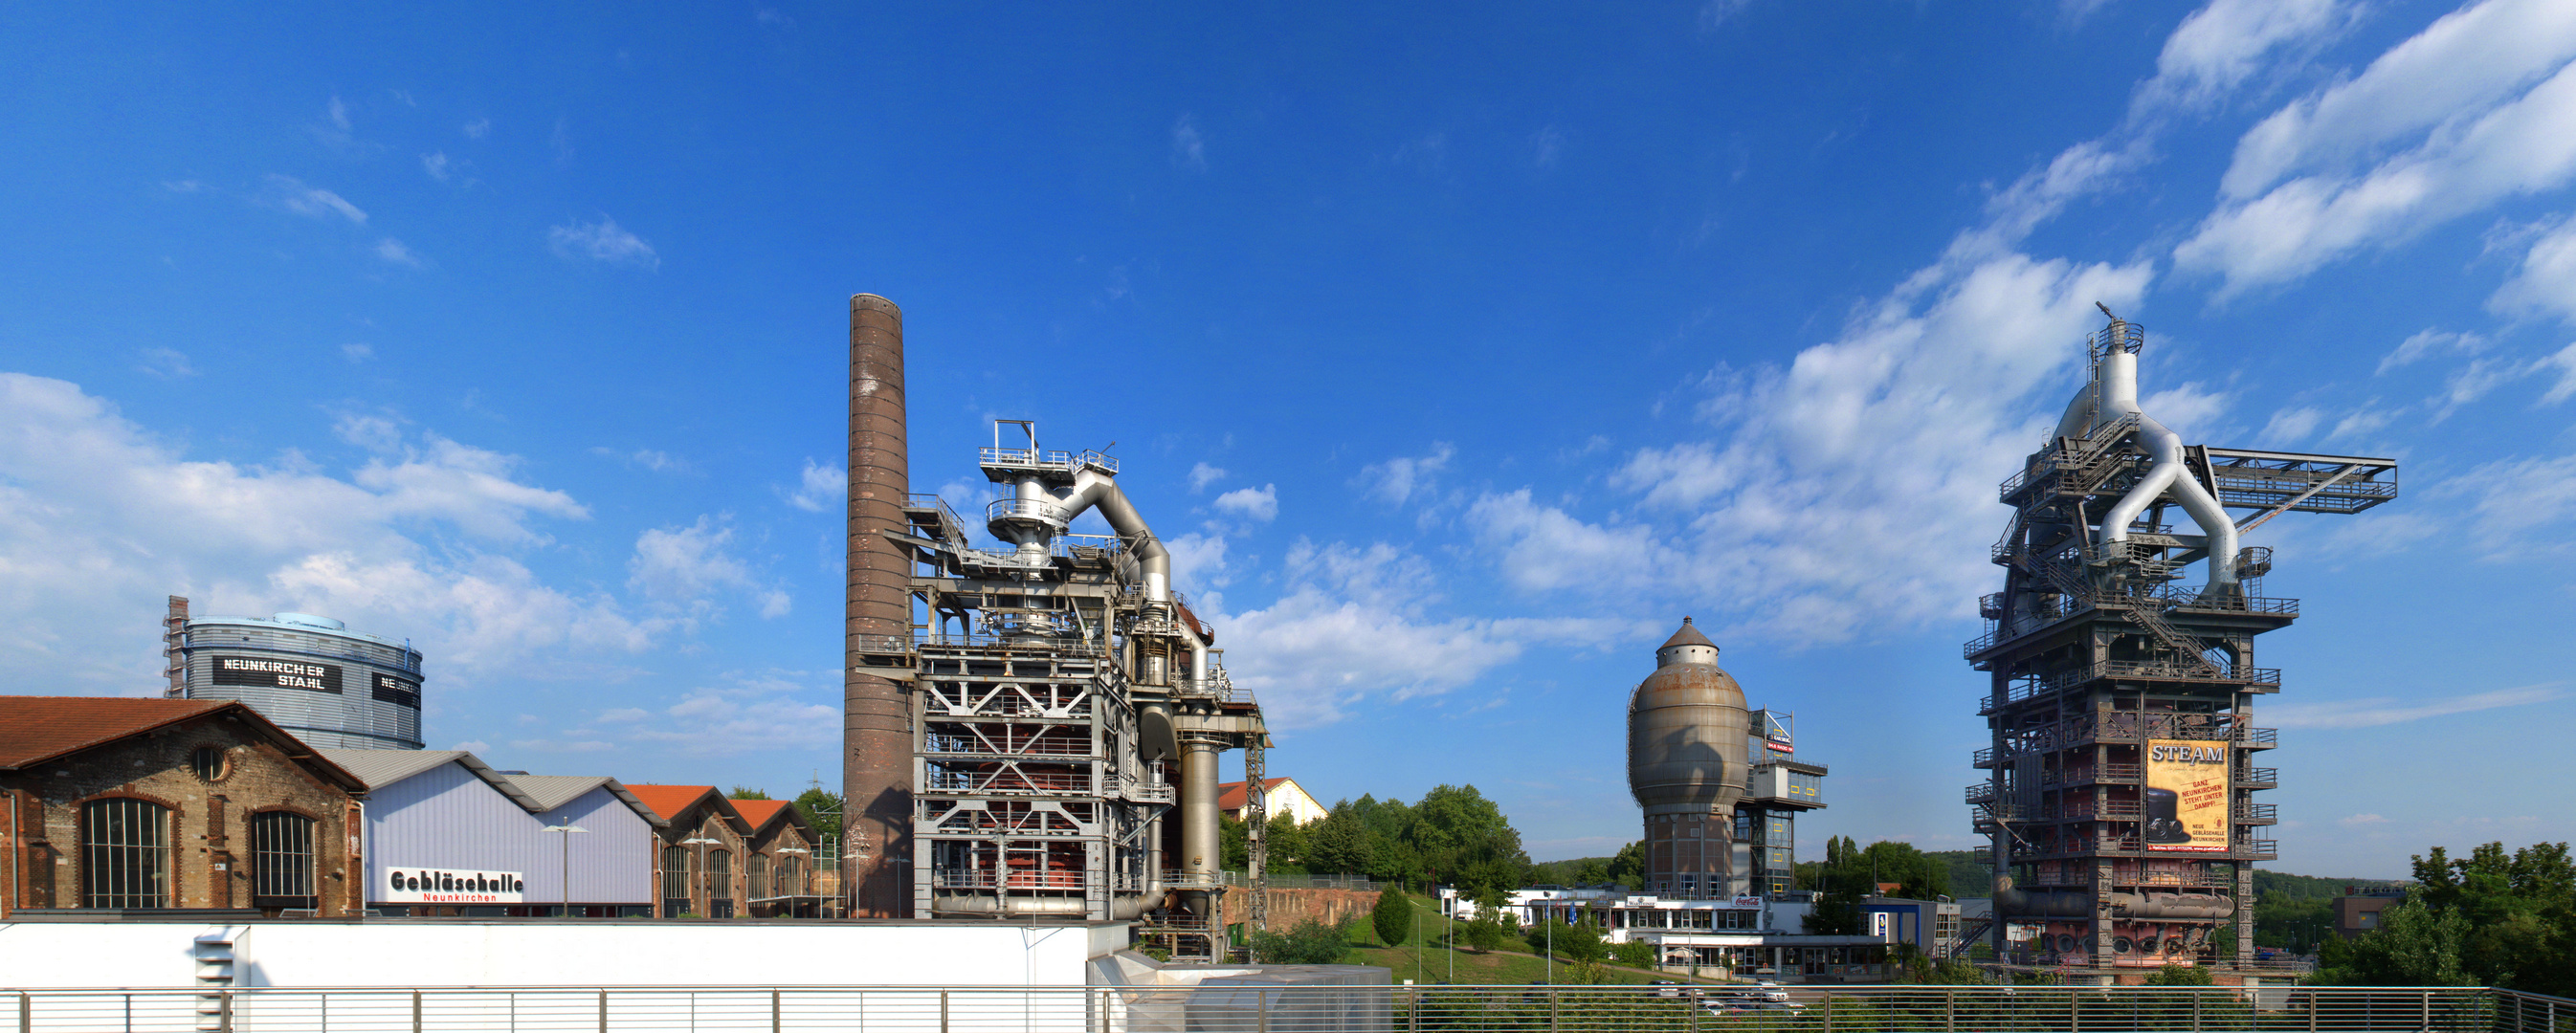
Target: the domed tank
pixel 1686 765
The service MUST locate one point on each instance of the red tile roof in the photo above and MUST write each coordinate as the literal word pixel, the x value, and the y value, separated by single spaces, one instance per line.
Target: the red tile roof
pixel 670 801
pixel 1229 795
pixel 758 812
pixel 37 729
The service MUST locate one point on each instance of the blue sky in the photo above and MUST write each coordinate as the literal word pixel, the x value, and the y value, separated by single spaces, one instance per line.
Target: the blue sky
pixel 1459 352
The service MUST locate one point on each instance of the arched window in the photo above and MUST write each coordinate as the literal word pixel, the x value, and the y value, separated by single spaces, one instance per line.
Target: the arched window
pixel 281 860
pixel 675 881
pixel 125 854
pixel 759 871
pixel 719 884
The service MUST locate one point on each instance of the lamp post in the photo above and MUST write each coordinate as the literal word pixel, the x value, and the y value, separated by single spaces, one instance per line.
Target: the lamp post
pixel 799 882
pixel 702 843
pixel 567 830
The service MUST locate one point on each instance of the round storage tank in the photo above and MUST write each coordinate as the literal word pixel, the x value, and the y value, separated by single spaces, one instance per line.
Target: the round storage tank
pixel 329 686
pixel 1687 765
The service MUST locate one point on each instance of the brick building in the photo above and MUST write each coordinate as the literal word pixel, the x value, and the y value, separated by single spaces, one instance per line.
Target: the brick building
pixel 778 861
pixel 151 804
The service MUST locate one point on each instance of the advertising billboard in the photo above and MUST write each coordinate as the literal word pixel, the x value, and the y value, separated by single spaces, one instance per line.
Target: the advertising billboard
pixel 451 886
pixel 2187 795
pixel 271 672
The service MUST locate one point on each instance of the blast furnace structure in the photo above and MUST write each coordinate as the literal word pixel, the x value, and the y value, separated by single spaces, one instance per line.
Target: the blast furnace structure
pixel 1033 730
pixel 2124 759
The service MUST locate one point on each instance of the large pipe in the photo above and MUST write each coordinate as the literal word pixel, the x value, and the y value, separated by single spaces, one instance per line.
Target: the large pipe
pixel 1201 856
pixel 876 736
pixel 2112 395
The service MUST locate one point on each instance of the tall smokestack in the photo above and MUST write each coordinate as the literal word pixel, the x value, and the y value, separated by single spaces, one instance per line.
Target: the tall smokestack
pixel 876 745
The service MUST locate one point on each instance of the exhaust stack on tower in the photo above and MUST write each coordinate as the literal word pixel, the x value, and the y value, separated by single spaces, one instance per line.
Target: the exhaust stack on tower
pixel 876 742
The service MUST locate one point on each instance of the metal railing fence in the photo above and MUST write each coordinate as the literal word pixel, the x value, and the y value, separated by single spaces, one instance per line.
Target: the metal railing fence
pixel 1294 1009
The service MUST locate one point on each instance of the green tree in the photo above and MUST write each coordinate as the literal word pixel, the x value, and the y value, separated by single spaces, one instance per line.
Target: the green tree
pixel 1591 871
pixel 1341 843
pixel 1234 842
pixel 2180 975
pixel 1634 954
pixel 1629 867
pixel 820 809
pixel 2415 945
pixel 1486 933
pixel 1392 917
pixel 1579 942
pixel 746 793
pixel 1465 841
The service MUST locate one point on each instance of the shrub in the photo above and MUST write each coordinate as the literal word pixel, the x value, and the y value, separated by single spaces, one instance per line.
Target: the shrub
pixel 2180 975
pixel 1634 954
pixel 1393 917
pixel 1310 943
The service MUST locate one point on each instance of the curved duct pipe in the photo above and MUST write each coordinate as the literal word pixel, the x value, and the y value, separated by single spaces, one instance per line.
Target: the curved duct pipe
pixel 2114 394
pixel 1000 907
pixel 2040 904
pixel 1091 489
pixel 2079 903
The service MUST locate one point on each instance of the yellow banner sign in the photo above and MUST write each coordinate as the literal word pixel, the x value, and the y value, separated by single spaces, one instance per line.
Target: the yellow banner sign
pixel 2187 796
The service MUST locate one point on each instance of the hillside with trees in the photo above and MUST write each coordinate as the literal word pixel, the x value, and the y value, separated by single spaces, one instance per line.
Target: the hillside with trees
pixel 1452 836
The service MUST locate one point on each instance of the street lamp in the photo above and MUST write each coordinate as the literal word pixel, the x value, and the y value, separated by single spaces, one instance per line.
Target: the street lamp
pixel 567 830
pixel 702 843
pixel 799 881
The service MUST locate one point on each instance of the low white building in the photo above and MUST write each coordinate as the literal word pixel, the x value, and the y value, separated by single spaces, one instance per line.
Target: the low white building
pixel 1747 935
pixel 1285 796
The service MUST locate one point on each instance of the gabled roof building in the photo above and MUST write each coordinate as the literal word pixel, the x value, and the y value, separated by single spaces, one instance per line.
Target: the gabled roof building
pixel 123 804
pixel 448 835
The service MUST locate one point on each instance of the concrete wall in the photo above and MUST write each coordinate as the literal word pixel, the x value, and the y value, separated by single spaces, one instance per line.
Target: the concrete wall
pixel 428 953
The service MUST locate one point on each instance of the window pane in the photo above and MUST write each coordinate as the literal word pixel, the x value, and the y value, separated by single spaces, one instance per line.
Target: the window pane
pixel 281 860
pixel 125 854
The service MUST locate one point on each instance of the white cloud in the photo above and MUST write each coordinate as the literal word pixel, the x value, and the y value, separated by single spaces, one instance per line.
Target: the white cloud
pixel 622 716
pixel 1202 475
pixel 2545 281
pixel 394 251
pixel 2365 420
pixel 2382 710
pixel 2429 342
pixel 1716 13
pixel 1539 548
pixel 754 712
pixel 475 130
pixel 2453 86
pixel 2291 426
pixel 2220 46
pixel 1189 149
pixel 1546 146
pixel 685 568
pixel 99 520
pixel 602 241
pixel 358 352
pixel 166 363
pixel 2359 820
pixel 1351 627
pixel 1853 489
pixel 820 488
pixel 654 460
pixel 1200 563
pixel 437 165
pixel 2518 506
pixel 1399 480
pixel 313 202
pixel 1257 504
pixel 2464 63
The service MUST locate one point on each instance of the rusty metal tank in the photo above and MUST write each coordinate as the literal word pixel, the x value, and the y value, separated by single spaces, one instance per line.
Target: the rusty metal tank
pixel 1687 765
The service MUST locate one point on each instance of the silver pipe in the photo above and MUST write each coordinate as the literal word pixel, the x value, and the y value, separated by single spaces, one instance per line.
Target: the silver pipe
pixel 2116 380
pixel 1092 488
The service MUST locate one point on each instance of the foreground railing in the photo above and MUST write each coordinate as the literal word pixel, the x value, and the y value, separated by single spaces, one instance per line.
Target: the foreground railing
pixel 1298 1009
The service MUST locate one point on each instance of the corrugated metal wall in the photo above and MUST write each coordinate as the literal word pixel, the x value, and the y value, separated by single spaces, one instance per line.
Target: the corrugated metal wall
pixel 447 818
